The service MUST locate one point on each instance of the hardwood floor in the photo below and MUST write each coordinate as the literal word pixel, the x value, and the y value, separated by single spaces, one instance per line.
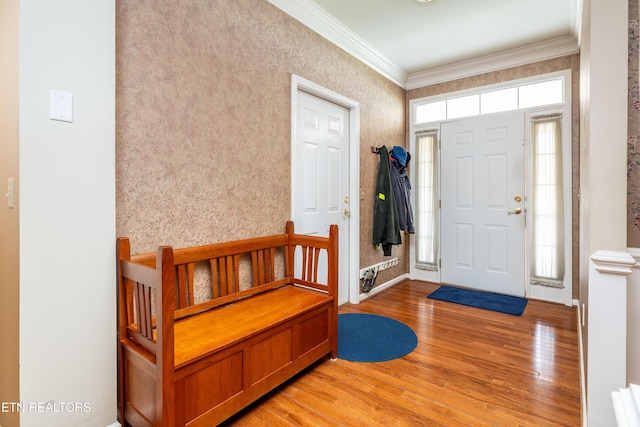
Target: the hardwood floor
pixel 471 367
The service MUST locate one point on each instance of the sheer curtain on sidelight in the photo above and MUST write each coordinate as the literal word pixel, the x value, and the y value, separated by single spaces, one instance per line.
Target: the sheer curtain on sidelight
pixel 547 263
pixel 427 200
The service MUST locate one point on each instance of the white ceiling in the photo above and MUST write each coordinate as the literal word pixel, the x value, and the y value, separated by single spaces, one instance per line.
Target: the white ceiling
pixel 409 41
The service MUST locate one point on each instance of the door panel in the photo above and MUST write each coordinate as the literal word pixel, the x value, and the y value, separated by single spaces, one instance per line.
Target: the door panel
pixel 322 170
pixel 309 160
pixel 482 171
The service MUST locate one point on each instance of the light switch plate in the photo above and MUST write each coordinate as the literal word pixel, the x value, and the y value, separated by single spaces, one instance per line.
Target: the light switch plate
pixel 61 106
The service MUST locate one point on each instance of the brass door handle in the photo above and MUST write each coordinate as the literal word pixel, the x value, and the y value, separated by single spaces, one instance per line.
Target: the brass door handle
pixel 516 211
pixel 346 212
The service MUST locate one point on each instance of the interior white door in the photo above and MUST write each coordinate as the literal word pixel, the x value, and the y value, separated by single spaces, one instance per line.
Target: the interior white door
pixel 482 192
pixel 322 163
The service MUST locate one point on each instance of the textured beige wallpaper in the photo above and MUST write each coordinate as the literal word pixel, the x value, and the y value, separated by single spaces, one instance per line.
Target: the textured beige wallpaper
pixel 203 120
pixel 572 63
pixel 633 128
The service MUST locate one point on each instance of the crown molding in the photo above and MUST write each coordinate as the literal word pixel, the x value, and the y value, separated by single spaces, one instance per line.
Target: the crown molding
pixel 549 49
pixel 317 19
pixel 320 21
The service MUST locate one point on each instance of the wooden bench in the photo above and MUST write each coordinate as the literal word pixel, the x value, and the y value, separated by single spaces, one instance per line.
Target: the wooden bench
pixel 182 362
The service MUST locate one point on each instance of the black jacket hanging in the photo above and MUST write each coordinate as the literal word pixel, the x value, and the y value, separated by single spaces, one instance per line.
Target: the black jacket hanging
pixel 386 229
pixel 399 160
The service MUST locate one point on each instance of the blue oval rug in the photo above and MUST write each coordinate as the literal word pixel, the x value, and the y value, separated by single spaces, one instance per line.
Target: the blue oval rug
pixel 372 338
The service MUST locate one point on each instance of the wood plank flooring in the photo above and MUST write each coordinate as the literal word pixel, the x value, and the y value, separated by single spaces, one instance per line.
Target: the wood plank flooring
pixel 471 367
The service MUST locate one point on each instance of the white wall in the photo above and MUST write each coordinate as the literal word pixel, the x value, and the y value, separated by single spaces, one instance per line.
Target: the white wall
pixel 604 166
pixel 603 181
pixel 67 213
pixel 633 321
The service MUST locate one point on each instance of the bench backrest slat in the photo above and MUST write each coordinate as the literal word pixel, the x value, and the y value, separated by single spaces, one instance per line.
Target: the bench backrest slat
pixel 184 276
pixel 233 270
pixel 233 273
pixel 143 310
pixel 138 283
pixel 257 262
pixel 222 281
pixel 263 265
pixel 215 291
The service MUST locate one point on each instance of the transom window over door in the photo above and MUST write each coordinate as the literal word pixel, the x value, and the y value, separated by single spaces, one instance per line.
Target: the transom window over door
pixel 516 97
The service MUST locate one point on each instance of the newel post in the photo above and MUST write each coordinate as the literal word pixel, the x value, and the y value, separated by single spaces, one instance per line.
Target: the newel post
pixel 606 333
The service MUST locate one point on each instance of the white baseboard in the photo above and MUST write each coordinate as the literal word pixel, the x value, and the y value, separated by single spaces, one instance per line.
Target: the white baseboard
pixel 583 384
pixel 384 286
pixel 116 424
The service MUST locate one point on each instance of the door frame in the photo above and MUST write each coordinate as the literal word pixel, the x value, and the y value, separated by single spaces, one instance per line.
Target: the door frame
pixel 564 295
pixel 301 84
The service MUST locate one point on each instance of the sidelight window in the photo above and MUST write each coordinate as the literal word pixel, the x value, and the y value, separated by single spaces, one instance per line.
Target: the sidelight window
pixel 427 200
pixel 547 263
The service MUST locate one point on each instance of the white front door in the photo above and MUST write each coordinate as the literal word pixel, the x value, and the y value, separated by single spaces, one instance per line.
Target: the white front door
pixel 482 192
pixel 322 175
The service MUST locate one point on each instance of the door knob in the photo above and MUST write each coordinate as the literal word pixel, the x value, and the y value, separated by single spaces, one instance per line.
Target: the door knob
pixel 346 212
pixel 516 211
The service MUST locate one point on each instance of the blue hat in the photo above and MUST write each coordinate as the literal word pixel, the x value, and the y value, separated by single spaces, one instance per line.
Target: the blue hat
pixel 400 155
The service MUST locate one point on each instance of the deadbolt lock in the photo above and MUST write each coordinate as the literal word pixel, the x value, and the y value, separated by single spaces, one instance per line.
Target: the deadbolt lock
pixel 518 199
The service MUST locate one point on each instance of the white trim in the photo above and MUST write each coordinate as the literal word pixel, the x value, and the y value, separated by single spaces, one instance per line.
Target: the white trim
pixel 583 380
pixel 613 262
pixel 300 83
pixel 549 49
pixel 415 273
pixel 635 253
pixel 606 343
pixel 633 319
pixel 626 405
pixel 576 18
pixel 319 20
pixel 116 424
pixel 561 295
pixel 379 288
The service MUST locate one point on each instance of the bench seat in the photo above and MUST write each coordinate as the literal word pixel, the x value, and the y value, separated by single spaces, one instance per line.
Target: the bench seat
pixel 210 332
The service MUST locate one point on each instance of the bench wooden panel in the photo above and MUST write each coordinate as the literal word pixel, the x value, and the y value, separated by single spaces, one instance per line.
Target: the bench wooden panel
pixel 187 363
